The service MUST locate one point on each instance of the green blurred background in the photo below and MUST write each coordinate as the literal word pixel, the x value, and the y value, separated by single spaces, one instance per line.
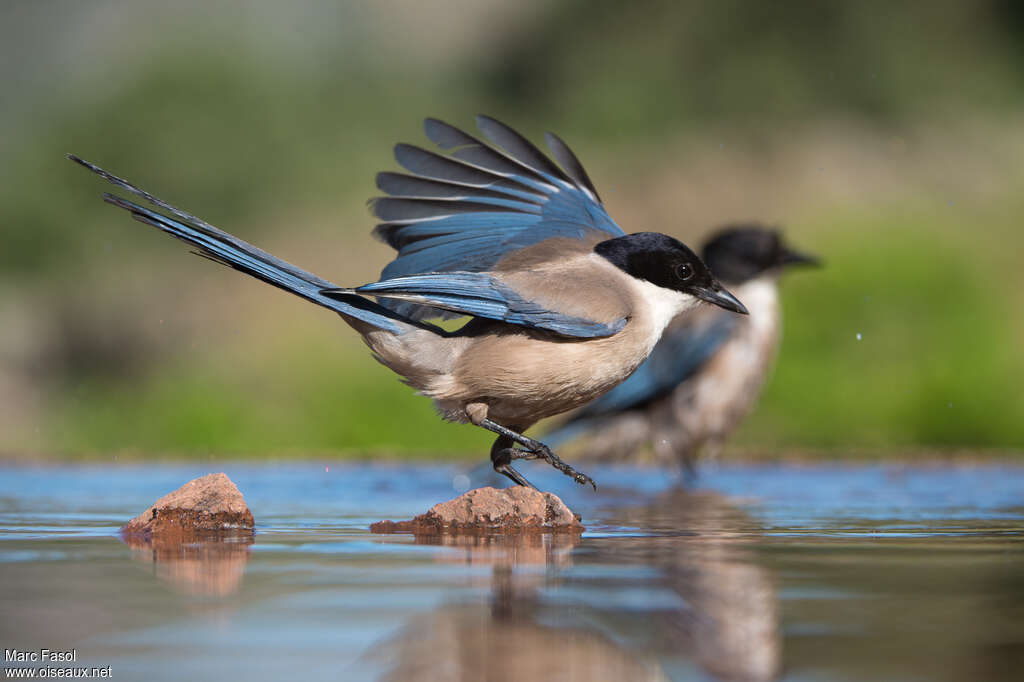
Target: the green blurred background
pixel 886 136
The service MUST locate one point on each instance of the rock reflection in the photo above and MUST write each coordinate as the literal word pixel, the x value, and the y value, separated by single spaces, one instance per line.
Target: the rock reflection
pixel 527 549
pixel 505 638
pixel 209 567
pixel 700 542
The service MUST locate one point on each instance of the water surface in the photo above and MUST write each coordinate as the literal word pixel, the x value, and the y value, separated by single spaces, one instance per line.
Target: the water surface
pixel 759 572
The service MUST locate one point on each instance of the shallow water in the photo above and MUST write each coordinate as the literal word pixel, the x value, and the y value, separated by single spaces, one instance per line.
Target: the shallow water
pixel 761 572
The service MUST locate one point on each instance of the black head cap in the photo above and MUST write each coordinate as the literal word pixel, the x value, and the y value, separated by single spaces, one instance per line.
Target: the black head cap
pixel 739 253
pixel 668 263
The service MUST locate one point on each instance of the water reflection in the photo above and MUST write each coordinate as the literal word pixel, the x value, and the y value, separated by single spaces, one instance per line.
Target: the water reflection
pixel 505 637
pixel 210 567
pixel 701 544
pixel 565 607
pixel 880 574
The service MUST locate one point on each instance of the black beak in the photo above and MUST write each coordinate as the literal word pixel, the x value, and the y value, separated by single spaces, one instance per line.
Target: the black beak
pixel 790 257
pixel 723 299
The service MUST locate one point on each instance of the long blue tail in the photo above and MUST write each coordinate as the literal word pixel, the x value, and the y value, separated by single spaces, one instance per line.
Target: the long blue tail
pixel 223 248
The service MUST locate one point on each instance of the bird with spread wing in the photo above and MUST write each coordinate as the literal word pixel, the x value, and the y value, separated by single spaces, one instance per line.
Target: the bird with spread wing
pixel 562 304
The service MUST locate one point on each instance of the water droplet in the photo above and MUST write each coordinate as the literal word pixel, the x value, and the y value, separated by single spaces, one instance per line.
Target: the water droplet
pixel 460 483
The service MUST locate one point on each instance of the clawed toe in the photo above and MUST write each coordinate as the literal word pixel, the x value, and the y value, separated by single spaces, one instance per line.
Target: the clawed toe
pixel 545 453
pixel 504 452
pixel 583 479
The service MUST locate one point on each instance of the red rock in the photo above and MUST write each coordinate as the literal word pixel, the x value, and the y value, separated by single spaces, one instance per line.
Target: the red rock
pixel 210 505
pixel 491 510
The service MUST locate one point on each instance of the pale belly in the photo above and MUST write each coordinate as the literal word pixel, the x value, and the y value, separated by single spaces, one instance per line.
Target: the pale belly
pixel 523 378
pixel 727 388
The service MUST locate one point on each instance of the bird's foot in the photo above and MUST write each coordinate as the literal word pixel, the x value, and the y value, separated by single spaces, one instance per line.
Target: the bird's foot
pixel 542 451
pixel 505 469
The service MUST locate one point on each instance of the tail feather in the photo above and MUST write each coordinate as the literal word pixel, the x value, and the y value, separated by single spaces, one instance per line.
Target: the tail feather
pixel 226 249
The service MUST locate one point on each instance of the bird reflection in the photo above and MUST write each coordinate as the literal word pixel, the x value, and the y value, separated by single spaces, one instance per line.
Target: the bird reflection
pixel 591 608
pixel 730 626
pixel 209 567
pixel 505 638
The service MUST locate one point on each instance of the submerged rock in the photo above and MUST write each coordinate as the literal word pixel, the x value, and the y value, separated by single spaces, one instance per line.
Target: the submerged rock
pixel 491 510
pixel 210 505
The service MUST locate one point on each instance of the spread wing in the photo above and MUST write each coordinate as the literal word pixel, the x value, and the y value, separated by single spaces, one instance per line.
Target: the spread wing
pixel 482 295
pixel 682 351
pixel 465 211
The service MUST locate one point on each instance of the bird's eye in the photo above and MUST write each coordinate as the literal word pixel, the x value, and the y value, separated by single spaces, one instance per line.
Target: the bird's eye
pixel 684 271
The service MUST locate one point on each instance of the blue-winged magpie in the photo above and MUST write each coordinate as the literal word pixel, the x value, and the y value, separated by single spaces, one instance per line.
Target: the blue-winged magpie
pixel 706 372
pixel 562 304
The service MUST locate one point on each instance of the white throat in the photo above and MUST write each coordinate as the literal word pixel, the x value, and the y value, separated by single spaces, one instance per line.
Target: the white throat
pixel 761 297
pixel 661 304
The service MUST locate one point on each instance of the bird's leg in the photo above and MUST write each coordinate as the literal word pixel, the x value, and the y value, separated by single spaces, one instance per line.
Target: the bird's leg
pixel 688 464
pixel 533 449
pixel 671 447
pixel 501 459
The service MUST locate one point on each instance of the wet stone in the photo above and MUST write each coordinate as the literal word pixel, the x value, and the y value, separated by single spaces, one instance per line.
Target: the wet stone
pixel 207 507
pixel 491 510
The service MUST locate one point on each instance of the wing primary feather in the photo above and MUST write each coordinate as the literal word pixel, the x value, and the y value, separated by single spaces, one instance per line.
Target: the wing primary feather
pixel 416 187
pixel 564 155
pixel 473 150
pixel 439 167
pixel 517 146
pixel 467 209
pixel 399 208
pixel 447 136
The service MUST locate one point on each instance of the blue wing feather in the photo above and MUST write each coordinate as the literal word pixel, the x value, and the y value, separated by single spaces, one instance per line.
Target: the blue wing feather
pixel 481 295
pixel 466 211
pixel 451 221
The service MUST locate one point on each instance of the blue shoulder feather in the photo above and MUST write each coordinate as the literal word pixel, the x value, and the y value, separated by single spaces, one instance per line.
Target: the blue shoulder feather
pixel 480 295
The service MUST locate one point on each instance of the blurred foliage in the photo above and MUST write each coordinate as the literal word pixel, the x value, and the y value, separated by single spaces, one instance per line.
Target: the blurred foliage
pixel 279 144
pixel 196 121
pixel 635 69
pixel 903 340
